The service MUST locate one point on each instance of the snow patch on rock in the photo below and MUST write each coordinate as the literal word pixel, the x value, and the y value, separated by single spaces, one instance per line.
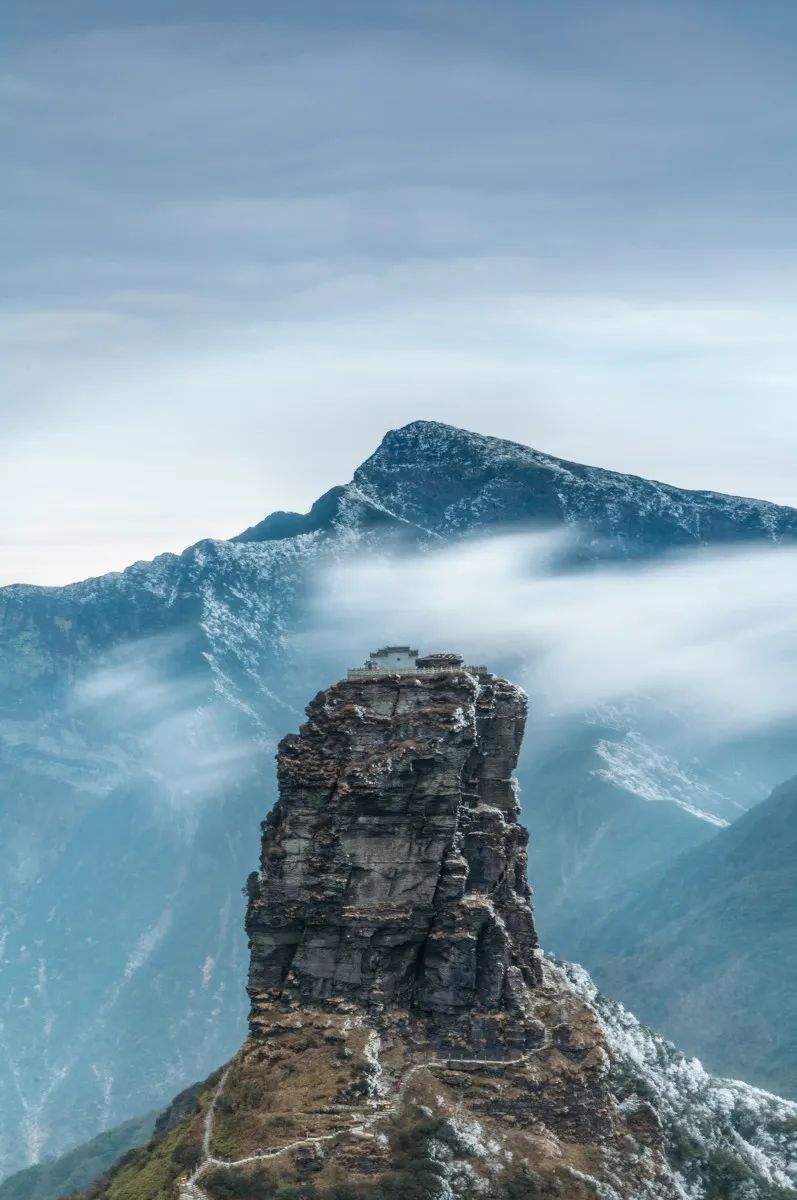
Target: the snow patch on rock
pixel 719 1133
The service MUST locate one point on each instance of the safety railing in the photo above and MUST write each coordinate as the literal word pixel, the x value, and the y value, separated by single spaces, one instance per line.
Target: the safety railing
pixel 381 672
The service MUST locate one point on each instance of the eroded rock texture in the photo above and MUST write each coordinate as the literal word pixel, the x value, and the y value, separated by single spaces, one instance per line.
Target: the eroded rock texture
pixel 407 1038
pixel 393 866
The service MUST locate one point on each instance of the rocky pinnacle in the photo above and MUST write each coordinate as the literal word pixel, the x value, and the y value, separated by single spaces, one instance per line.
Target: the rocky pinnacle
pixel 393 867
pixel 407 1037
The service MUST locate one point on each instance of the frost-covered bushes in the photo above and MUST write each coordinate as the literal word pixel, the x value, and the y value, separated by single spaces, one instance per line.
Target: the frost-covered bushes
pixel 420 1170
pixel 447 1158
pixel 725 1140
pixel 225 1183
pixel 431 1158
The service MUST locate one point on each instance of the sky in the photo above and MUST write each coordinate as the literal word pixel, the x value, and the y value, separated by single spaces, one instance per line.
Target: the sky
pixel 242 241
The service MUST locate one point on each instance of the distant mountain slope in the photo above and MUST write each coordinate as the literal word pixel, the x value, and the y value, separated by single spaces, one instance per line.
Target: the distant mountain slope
pixel 136 713
pixel 79 1167
pixel 706 950
pixel 591 835
pixel 450 481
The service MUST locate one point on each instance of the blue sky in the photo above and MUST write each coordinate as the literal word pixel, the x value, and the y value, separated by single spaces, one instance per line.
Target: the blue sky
pixel 243 240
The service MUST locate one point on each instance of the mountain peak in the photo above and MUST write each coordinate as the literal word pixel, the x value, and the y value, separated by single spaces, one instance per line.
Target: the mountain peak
pixel 453 481
pixel 393 868
pixel 407 1038
pixel 436 441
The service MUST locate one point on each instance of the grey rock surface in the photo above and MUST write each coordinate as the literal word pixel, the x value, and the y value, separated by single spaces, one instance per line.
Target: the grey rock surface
pixel 393 867
pixel 396 986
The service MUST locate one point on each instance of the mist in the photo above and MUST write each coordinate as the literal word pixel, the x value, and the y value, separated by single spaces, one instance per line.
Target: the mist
pixel 711 637
pixel 154 709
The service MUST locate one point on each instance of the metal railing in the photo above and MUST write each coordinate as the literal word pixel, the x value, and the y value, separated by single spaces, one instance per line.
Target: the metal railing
pixel 381 672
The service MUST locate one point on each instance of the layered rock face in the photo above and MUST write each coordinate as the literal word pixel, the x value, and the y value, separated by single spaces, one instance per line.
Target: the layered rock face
pixel 391 921
pixel 408 1039
pixel 393 867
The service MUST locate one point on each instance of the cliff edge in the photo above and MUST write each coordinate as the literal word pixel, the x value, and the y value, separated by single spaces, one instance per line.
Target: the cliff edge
pixel 393 869
pixel 408 1040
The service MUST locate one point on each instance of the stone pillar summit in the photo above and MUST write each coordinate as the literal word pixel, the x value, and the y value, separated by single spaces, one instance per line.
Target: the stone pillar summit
pixel 393 866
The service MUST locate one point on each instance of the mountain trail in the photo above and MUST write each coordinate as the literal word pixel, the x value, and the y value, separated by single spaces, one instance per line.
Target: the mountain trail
pixel 359 1122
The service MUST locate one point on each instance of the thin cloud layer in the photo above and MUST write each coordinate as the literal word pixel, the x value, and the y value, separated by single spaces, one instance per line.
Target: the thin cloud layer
pixel 153 715
pixel 709 637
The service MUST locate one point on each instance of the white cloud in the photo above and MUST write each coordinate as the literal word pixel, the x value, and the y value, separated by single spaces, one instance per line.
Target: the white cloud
pixel 710 636
pixel 148 705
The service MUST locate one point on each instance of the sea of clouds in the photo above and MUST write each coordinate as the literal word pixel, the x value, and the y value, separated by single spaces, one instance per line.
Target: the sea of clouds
pixel 710 635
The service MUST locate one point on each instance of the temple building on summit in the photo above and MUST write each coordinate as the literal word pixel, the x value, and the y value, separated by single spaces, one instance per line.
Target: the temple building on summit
pixel 404 660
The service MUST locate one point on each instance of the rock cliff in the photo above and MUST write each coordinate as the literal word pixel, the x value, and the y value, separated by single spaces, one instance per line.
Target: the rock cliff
pixel 408 1039
pixel 393 870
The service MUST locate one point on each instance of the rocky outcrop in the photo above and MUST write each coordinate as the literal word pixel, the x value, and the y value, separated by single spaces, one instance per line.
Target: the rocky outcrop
pixel 392 921
pixel 408 1040
pixel 393 869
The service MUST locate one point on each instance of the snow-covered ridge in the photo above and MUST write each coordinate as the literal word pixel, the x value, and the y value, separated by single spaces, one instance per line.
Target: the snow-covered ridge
pixel 483 472
pixel 473 464
pixel 436 441
pixel 639 768
pixel 723 1137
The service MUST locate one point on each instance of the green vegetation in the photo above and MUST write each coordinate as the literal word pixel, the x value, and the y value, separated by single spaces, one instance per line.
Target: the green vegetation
pixel 251 888
pixel 147 1174
pixel 79 1167
pixel 414 1174
pixel 525 1184
pixel 224 1184
pixel 719 921
pixel 151 1172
